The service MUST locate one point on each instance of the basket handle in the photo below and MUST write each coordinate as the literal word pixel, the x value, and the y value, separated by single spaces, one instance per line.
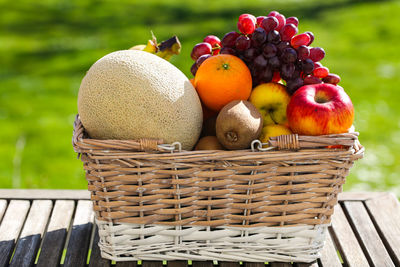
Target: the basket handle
pixel 296 142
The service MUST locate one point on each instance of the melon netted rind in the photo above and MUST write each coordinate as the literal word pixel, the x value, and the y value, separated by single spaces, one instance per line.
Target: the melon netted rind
pixel 133 94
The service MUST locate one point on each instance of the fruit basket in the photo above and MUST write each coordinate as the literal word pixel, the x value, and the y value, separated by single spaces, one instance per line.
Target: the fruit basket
pixel 154 201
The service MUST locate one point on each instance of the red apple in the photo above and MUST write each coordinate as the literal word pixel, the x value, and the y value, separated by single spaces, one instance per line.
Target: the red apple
pixel 319 109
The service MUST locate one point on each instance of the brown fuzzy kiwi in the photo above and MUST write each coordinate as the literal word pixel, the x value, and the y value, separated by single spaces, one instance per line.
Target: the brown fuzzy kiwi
pixel 208 143
pixel 238 124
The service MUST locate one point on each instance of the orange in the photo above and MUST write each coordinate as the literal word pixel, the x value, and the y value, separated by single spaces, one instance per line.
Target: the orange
pixel 221 79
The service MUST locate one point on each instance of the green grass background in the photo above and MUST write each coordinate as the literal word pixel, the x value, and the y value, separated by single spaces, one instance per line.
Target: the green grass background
pixel 47 46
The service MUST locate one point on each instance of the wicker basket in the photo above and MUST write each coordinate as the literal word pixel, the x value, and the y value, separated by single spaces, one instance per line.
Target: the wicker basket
pixel 155 202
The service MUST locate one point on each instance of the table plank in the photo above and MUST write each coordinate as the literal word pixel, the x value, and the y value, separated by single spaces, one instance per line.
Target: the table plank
pixel 279 264
pixel 44 194
pixel 54 239
pixel 152 263
pixel 228 264
pixel 311 264
pixel 11 227
pixel 329 257
pixel 346 240
pixel 177 263
pixel 126 264
pixel 368 236
pixel 31 235
pixel 3 207
pixel 202 263
pixel 79 240
pixel 95 257
pixel 385 213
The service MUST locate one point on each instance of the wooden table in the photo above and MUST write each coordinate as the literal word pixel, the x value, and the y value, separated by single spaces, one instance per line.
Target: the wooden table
pixel 49 227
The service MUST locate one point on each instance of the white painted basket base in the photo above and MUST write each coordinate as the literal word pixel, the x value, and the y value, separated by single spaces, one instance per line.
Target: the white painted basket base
pixel 130 242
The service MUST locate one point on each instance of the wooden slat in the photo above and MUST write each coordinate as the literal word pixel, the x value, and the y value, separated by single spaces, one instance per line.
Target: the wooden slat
pixel 202 264
pixel 54 239
pixel 95 257
pixel 152 264
pixel 280 264
pixel 385 213
pixel 329 256
pixel 177 263
pixel 10 228
pixel 80 235
pixel 126 264
pixel 228 264
pixel 360 196
pixel 311 264
pixel 253 264
pixel 346 240
pixel 44 194
pixel 367 235
pixel 31 236
pixel 3 206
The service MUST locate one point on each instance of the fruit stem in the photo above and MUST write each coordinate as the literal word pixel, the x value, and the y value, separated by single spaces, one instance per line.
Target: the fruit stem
pixel 225 66
pixel 231 136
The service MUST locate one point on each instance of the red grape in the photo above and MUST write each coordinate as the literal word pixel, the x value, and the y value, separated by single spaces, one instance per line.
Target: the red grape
pixel 277 77
pixel 216 51
pixel 301 39
pixel 269 24
pixel 332 79
pixel 242 43
pixel 311 37
pixel 274 62
pixel 321 72
pixel 227 50
pixel 212 40
pixel 292 20
pixel 260 62
pixel 288 31
pixel 294 84
pixel 251 53
pixel 307 66
pixel 289 55
pixel 311 80
pixel 303 52
pixel 200 49
pixel 282 46
pixel 269 50
pixel 282 21
pixel 317 54
pixel 273 37
pixel 243 16
pixel 260 19
pixel 287 71
pixel 317 64
pixel 246 25
pixel 266 75
pixel 193 69
pixel 259 36
pixel 229 39
pixel 273 13
pixel 201 59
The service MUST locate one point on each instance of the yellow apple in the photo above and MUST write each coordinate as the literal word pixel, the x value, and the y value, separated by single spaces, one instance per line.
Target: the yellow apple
pixel 271 100
pixel 273 130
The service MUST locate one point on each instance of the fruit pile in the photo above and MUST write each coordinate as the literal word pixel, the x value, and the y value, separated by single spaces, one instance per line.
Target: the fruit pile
pixel 272 50
pixel 266 81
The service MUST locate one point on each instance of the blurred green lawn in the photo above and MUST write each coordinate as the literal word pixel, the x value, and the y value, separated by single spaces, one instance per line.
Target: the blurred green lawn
pixel 46 48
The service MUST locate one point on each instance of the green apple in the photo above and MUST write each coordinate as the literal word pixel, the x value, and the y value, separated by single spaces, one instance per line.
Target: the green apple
pixel 271 100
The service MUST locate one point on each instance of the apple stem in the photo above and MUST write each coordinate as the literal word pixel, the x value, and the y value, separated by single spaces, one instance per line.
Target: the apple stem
pixel 231 136
pixel 272 118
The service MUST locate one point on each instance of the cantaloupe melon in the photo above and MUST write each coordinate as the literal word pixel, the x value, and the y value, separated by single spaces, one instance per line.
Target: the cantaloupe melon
pixel 133 94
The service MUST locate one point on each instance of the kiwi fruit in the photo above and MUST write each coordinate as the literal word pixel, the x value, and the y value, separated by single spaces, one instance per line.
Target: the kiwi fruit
pixel 208 143
pixel 238 124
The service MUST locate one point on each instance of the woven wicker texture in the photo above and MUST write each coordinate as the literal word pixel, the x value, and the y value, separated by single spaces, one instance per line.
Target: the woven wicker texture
pixel 252 244
pixel 213 188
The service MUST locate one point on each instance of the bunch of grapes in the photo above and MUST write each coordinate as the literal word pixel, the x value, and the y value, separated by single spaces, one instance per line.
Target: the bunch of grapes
pixel 272 50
